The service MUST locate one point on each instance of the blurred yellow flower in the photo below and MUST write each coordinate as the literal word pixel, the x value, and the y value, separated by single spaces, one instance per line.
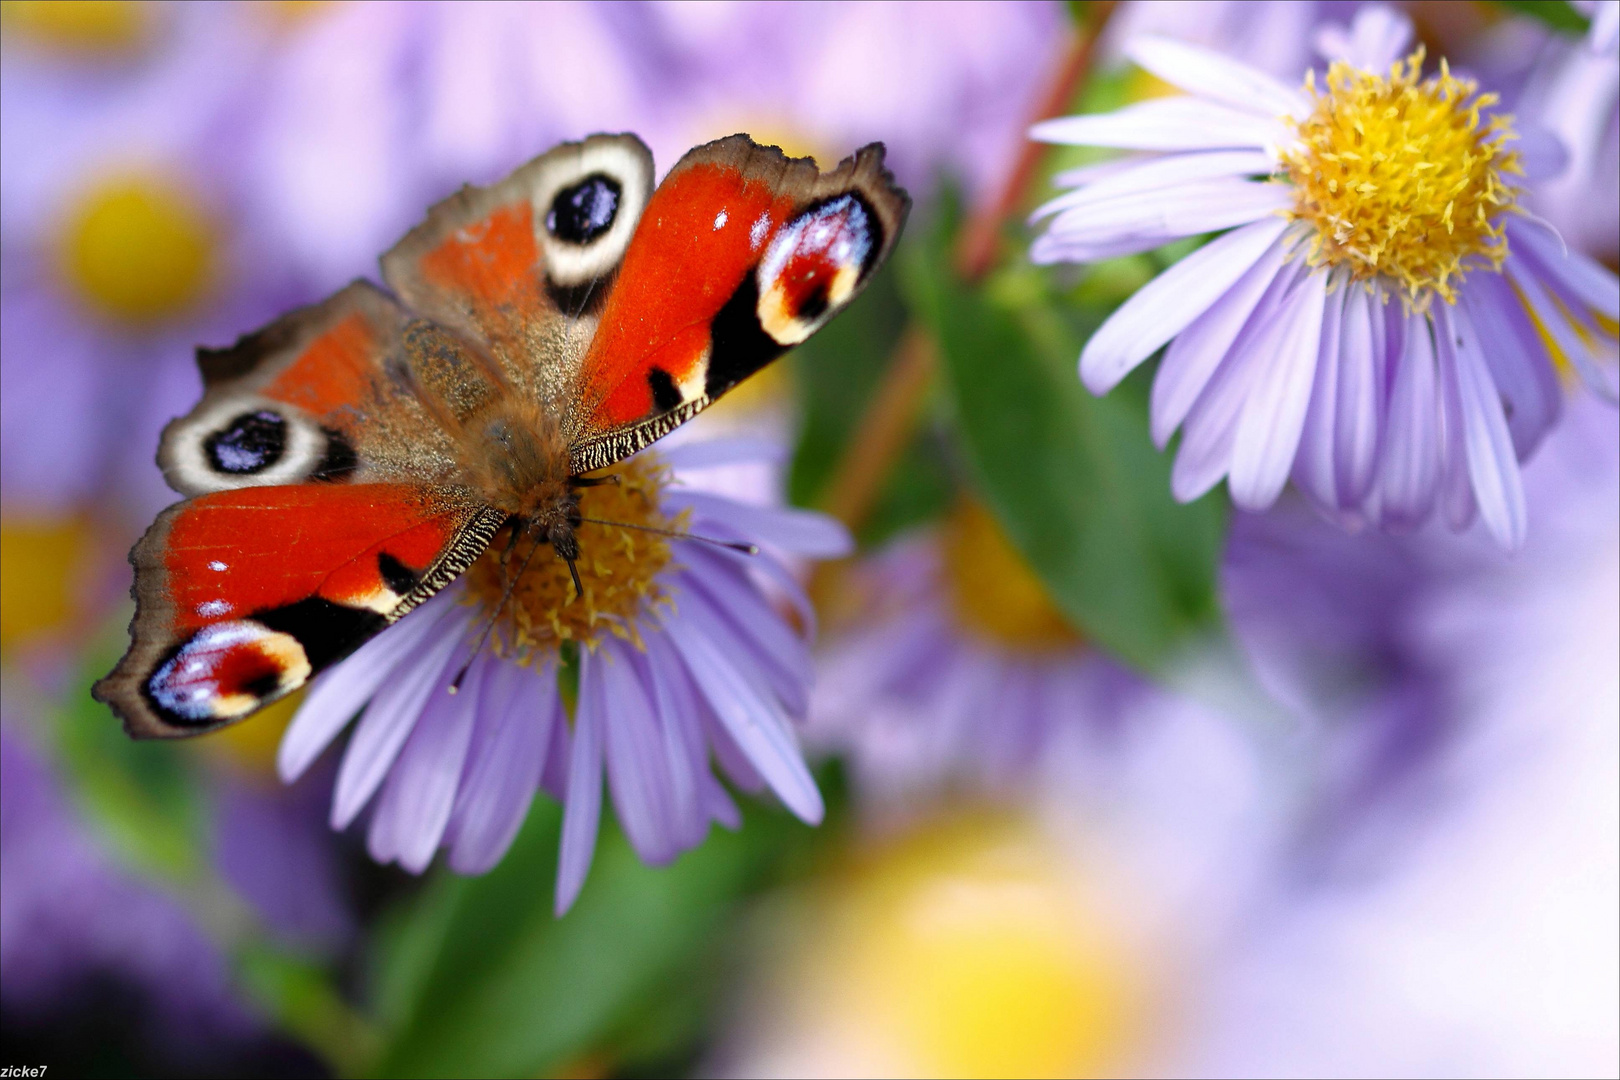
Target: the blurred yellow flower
pixel 83 26
pixel 993 591
pixel 138 247
pixel 42 563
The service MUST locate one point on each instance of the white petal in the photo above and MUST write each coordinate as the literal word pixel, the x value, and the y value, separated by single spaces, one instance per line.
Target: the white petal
pixel 340 693
pixel 1170 171
pixel 1493 467
pixel 1164 307
pixel 1172 212
pixel 1211 75
pixel 1196 353
pixel 389 718
pixel 1273 416
pixel 1410 472
pixel 1176 123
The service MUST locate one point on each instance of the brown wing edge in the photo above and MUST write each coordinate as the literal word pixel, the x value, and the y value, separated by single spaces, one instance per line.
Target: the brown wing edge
pixel 151 644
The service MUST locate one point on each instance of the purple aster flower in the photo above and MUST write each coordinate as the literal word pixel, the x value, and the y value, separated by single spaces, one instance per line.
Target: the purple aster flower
pixel 1574 91
pixel 959 669
pixel 1381 323
pixel 681 656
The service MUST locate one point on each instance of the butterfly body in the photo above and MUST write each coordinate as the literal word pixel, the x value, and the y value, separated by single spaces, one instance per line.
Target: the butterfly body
pixel 354 457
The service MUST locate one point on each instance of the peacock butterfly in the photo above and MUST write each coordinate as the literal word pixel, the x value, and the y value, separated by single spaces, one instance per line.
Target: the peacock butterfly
pixel 354 457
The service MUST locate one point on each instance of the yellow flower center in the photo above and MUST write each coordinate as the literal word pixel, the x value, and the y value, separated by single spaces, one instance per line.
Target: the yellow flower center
pixel 971 948
pixel 42 563
pixel 994 593
pixel 618 567
pixel 81 26
pixel 138 247
pixel 1401 178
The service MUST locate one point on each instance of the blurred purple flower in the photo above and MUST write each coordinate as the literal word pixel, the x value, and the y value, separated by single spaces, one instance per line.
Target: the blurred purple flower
pixel 127 240
pixel 681 655
pixel 1288 353
pixel 1574 91
pixel 957 670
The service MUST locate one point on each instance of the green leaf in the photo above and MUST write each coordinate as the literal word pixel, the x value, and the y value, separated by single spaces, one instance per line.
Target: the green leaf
pixel 478 978
pixel 1558 14
pixel 1074 479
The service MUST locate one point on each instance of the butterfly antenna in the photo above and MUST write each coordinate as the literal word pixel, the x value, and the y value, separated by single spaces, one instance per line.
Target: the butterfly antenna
pixel 494 616
pixel 734 545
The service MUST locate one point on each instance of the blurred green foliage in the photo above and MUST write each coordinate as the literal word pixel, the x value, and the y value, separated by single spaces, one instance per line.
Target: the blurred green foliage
pixel 1558 14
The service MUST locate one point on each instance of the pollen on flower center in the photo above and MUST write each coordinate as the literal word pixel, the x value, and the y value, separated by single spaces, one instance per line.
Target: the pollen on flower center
pixel 994 593
pixel 1401 177
pixel 618 567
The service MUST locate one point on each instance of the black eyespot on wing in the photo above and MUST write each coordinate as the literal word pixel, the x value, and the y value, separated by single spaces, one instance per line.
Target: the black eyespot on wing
pixel 584 211
pixel 395 574
pixel 665 394
pixel 738 344
pixel 813 305
pixel 585 298
pixel 249 444
pixel 339 462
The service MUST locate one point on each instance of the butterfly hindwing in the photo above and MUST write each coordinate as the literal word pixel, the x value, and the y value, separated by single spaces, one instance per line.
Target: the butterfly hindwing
pixel 243 595
pixel 741 254
pixel 320 395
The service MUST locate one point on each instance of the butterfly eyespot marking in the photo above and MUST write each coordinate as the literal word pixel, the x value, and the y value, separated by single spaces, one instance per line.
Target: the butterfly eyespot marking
pixel 586 205
pixel 584 211
pixel 225 671
pixel 249 441
pixel 814 265
pixel 249 444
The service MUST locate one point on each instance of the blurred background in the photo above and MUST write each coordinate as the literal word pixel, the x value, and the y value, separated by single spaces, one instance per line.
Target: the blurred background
pixel 1302 803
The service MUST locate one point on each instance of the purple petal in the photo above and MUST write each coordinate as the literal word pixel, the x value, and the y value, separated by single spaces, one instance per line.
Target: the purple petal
pixel 1164 307
pixel 1196 353
pixel 1274 414
pixel 583 812
pixel 340 693
pixel 1456 492
pixel 756 626
pixel 1174 123
pixel 1376 39
pixel 1155 173
pixel 684 750
pixel 520 709
pixel 1359 404
pixel 1171 212
pixel 637 768
pixel 708 453
pixel 1583 277
pixel 1314 468
pixel 1557 326
pixel 803 532
pixel 761 732
pixel 415 804
pixel 1410 472
pixel 1493 467
pixel 388 720
pixel 1516 358
pixel 1211 75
